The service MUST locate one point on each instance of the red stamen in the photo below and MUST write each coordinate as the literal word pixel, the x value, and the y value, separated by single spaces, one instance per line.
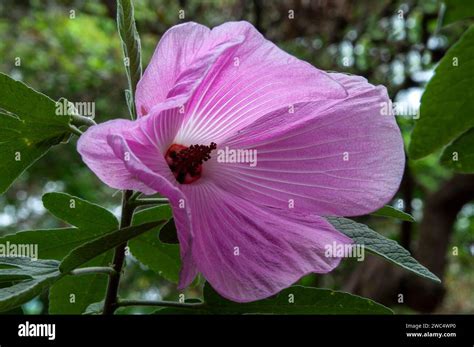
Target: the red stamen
pixel 186 162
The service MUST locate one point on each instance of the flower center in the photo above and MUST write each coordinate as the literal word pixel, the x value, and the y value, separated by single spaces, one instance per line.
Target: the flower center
pixel 186 162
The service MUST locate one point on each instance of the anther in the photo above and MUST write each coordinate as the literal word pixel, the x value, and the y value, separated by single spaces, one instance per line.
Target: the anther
pixel 186 162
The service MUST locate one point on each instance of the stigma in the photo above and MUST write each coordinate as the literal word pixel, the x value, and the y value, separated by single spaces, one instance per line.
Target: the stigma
pixel 186 162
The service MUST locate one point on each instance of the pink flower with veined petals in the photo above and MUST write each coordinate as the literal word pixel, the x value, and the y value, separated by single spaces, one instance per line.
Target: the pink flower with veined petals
pixel 323 148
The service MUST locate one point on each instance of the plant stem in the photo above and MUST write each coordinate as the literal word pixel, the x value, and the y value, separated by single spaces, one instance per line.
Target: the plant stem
pixel 79 120
pixel 75 130
pixel 111 297
pixel 135 196
pixel 131 47
pixel 94 270
pixel 158 303
pixel 151 201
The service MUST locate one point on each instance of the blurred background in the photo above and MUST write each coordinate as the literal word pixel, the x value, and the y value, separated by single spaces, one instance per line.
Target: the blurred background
pixel 71 49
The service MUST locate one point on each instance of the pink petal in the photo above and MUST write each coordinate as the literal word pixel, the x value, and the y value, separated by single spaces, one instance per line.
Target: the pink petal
pixel 160 128
pixel 174 54
pixel 99 157
pixel 248 252
pixel 157 131
pixel 178 65
pixel 129 155
pixel 301 157
pixel 161 180
pixel 258 79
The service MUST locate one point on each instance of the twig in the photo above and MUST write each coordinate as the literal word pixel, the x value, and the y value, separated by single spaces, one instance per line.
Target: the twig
pixel 110 303
pixel 94 270
pixel 79 120
pixel 75 130
pixel 159 303
pixel 151 201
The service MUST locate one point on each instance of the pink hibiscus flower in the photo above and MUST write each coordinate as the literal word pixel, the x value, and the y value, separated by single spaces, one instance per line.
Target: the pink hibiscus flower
pixel 322 148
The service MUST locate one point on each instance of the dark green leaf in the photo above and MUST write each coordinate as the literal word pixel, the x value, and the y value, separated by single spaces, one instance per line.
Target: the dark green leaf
pixel 29 129
pixel 131 48
pixel 92 249
pixel 40 275
pixel 389 211
pixel 72 294
pixel 183 311
pixel 56 244
pixel 296 300
pixel 92 221
pixel 380 245
pixel 168 233
pixel 459 155
pixel 160 257
pixel 29 105
pixel 458 10
pixel 80 213
pixel 447 104
pixel 52 243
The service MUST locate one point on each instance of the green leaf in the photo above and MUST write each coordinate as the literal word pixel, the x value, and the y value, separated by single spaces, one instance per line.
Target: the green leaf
pixel 39 274
pixel 55 244
pixel 92 249
pixel 380 245
pixel 85 289
pixel 459 155
pixel 183 311
pixel 392 212
pixel 94 308
pixel 52 243
pixel 457 10
pixel 168 233
pixel 91 221
pixel 160 257
pixel 97 308
pixel 29 129
pixel 80 213
pixel 447 104
pixel 30 105
pixel 296 300
pixel 202 310
pixel 131 49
